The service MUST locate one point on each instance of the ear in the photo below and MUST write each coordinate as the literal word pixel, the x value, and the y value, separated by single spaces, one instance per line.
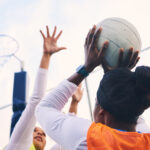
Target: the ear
pixel 100 116
pixel 101 112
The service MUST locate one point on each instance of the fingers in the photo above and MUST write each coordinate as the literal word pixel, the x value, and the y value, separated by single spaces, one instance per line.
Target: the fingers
pixel 90 37
pixel 48 34
pixel 135 63
pixel 87 37
pixel 47 29
pixel 60 48
pixel 88 40
pixel 131 59
pixel 42 34
pixel 120 59
pixel 53 35
pixel 105 66
pixel 134 59
pixel 103 49
pixel 137 60
pixel 57 37
pixel 128 58
pixel 95 38
pixel 54 32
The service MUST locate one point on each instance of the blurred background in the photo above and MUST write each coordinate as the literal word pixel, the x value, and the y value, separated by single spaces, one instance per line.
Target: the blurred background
pixel 22 20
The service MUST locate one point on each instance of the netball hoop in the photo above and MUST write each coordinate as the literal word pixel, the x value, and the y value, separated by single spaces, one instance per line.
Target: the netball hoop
pixel 8 47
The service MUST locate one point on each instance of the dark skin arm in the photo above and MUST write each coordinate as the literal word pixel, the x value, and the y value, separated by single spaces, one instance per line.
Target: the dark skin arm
pixel 93 56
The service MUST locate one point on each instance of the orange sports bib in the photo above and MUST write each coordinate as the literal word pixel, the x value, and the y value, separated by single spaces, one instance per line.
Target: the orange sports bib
pixel 102 137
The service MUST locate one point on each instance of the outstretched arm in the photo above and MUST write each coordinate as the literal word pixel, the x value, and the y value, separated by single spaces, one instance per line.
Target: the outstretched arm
pixel 55 123
pixel 22 135
pixel 93 56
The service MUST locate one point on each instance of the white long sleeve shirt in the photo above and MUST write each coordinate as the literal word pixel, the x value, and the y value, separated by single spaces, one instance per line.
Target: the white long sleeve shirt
pixel 68 131
pixel 22 136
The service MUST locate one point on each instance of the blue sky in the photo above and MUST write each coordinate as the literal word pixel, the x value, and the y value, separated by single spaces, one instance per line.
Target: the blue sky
pixel 22 19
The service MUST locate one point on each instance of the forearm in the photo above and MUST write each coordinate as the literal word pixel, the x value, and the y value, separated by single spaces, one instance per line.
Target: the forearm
pixel 39 86
pixel 45 61
pixel 59 96
pixel 73 106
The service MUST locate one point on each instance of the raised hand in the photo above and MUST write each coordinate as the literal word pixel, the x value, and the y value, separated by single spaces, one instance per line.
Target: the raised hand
pixel 130 61
pixel 50 41
pixel 93 56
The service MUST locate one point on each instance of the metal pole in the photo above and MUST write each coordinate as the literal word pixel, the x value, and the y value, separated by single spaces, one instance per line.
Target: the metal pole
pixel 145 49
pixel 88 97
pixel 3 107
pixel 21 62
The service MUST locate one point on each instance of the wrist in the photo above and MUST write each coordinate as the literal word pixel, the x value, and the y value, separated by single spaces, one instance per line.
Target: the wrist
pixel 74 101
pixel 82 71
pixel 45 61
pixel 89 68
pixel 46 55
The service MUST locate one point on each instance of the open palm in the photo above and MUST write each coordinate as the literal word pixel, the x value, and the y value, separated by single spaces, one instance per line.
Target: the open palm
pixel 50 42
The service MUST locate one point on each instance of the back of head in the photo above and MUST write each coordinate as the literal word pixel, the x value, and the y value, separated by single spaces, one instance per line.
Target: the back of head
pixel 125 94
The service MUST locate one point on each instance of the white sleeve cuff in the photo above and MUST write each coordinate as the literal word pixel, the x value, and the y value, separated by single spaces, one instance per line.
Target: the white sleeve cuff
pixel 42 70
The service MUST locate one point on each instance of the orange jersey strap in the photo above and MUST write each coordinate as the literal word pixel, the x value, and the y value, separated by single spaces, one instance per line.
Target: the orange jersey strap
pixel 102 137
